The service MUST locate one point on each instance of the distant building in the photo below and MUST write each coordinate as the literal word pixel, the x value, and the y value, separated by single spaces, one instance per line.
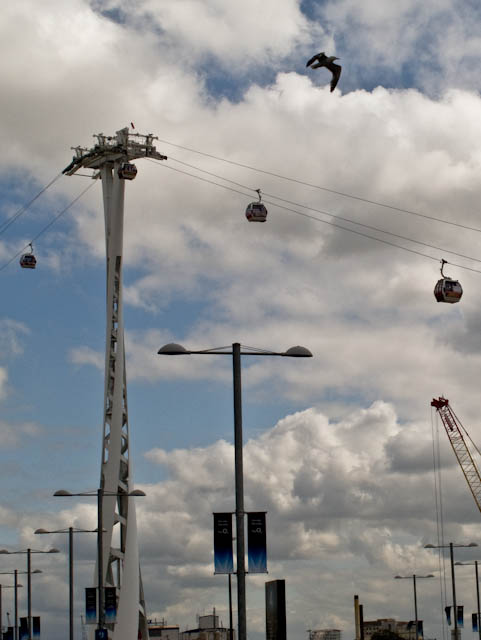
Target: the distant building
pixel 325 634
pixel 208 629
pixel 406 630
pixel 162 630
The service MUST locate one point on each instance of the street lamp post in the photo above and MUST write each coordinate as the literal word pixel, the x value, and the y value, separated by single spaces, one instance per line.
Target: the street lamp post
pixel 173 349
pixel 29 579
pixel 463 564
pixel 413 578
pixel 5 586
pixel 99 493
pixel 70 531
pixel 450 546
pixel 15 605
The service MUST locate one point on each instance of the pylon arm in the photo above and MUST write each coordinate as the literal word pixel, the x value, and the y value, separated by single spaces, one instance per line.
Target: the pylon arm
pixel 123 146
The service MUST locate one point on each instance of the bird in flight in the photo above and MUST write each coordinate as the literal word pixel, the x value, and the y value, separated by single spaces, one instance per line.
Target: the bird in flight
pixel 321 60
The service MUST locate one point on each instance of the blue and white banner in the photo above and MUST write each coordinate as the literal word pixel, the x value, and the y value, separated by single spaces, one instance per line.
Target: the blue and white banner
pixel 448 615
pixel 474 620
pixel 36 627
pixel 256 542
pixel 223 557
pixel 23 629
pixel 90 605
pixel 460 616
pixel 110 603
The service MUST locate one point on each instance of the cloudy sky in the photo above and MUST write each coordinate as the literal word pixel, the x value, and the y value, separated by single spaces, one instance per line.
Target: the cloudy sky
pixel 367 189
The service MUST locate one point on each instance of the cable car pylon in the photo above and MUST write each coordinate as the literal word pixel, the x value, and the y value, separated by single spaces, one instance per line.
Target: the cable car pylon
pixel 111 160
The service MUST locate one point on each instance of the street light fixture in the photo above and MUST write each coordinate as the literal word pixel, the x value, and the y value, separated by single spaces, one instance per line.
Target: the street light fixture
pixel 450 546
pixel 413 578
pixel 173 349
pixel 100 493
pixel 475 563
pixel 70 531
pixel 29 581
pixel 15 573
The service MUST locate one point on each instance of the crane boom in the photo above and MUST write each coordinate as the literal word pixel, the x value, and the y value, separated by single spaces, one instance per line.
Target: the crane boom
pixel 453 429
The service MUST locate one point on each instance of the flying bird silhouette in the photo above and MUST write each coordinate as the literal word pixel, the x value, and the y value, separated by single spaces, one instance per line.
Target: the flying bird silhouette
pixel 322 60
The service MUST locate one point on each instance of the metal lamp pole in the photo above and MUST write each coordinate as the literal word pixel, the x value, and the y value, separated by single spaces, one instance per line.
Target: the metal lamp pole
pixel 413 578
pixel 15 633
pixel 231 630
pixel 239 491
pixel 29 579
pixel 173 349
pixel 450 546
pixel 100 552
pixel 70 531
pixel 100 493
pixel 475 563
pixel 477 597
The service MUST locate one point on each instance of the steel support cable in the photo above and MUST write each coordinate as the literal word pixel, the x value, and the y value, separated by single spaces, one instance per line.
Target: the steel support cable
pixel 332 215
pixel 315 186
pixel 5 225
pixel 332 224
pixel 47 226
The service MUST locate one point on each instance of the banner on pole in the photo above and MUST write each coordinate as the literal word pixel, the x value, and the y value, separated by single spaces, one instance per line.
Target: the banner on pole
pixel 460 616
pixel 110 602
pixel 90 605
pixel 474 620
pixel 420 629
pixel 36 627
pixel 9 634
pixel 223 557
pixel 256 542
pixel 448 615
pixel 23 629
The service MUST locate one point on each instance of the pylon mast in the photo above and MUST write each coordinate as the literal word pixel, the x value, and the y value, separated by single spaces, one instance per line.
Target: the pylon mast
pixel 453 428
pixel 110 161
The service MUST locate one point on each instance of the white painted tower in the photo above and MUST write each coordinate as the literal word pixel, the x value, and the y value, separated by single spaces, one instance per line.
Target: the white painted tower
pixel 111 160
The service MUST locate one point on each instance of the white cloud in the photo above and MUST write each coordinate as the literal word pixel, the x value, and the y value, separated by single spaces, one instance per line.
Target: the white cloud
pixel 334 502
pixel 349 497
pixel 11 334
pixel 12 434
pixel 238 36
pixel 3 382
pixel 85 355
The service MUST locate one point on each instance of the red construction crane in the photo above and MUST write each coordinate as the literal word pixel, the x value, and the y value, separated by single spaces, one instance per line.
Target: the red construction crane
pixel 454 430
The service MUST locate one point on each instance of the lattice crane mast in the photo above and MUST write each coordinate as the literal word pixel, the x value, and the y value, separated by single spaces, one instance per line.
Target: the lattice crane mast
pixel 454 429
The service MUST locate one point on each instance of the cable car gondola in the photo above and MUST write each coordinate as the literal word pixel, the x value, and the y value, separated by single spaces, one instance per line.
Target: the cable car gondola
pixel 447 289
pixel 127 171
pixel 256 211
pixel 28 260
